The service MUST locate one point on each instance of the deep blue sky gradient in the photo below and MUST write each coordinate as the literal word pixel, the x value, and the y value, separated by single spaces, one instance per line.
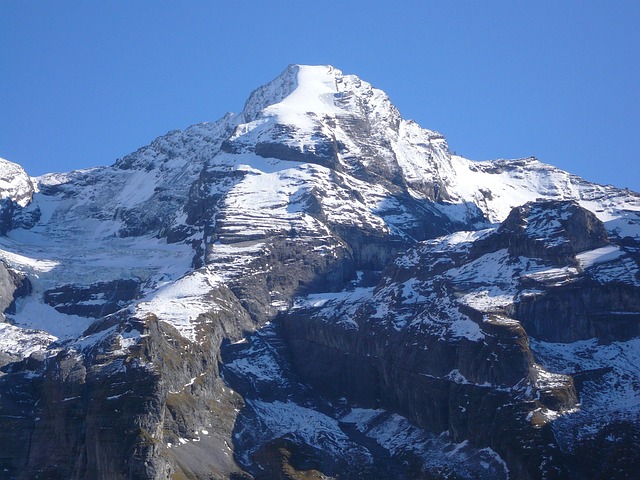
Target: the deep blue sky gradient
pixel 85 82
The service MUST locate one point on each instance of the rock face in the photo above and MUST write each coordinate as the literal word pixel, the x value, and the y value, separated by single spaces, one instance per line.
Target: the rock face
pixel 16 192
pixel 13 285
pixel 444 340
pixel 97 300
pixel 317 288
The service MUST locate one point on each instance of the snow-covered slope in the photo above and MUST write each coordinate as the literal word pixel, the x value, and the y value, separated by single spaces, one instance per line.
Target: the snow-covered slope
pixel 498 186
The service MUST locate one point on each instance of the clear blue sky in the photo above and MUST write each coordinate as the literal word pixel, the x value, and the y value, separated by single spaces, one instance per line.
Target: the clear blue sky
pixel 85 82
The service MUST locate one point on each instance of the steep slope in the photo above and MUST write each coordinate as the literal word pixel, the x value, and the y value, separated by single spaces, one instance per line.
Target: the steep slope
pixel 177 314
pixel 498 186
pixel 445 339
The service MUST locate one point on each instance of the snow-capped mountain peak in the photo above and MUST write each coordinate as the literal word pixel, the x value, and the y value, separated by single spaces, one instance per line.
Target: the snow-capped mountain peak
pixel 312 89
pixel 298 90
pixel 235 289
pixel 317 114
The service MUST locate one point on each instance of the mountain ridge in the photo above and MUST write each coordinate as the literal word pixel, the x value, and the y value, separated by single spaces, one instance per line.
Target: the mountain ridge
pixel 257 268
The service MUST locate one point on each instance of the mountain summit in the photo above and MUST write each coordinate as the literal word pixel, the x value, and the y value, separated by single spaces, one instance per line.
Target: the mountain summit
pixel 317 288
pixel 319 115
pixel 300 89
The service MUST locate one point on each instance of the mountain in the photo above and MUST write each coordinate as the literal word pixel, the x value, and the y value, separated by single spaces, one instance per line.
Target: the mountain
pixel 317 288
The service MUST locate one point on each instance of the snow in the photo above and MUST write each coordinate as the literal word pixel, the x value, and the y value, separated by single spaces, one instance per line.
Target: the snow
pixel 546 380
pixel 15 184
pixel 51 262
pixel 606 398
pixel 75 243
pixel 300 99
pixel 625 223
pixel 279 419
pixel 506 191
pixel 21 262
pixel 490 282
pixel 623 269
pixel 314 92
pixel 498 186
pixel 115 397
pixel 267 197
pixel 82 238
pixel 421 154
pixel 501 320
pixel 32 314
pixel 457 377
pixel 181 302
pixel 437 452
pixel 136 190
pixel 553 276
pixel 599 255
pixel 465 327
pixel 259 364
pixel 22 342
pixel 320 299
pixel 126 340
pixel 188 384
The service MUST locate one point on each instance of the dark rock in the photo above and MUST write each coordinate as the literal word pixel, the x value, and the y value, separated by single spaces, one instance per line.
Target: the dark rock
pixel 12 216
pixel 581 310
pixel 95 300
pixel 13 285
pixel 552 230
pixel 427 378
pixel 325 154
pixel 109 412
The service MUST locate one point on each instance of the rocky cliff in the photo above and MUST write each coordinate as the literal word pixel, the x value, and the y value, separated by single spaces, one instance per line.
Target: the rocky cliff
pixel 316 288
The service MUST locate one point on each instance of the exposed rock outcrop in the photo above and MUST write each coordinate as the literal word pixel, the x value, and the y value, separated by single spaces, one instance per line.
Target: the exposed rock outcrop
pixel 317 288
pixel 114 409
pixel 431 343
pixel 13 285
pixel 97 300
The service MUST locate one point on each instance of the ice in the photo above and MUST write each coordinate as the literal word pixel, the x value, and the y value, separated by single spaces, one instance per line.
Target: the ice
pixel 34 315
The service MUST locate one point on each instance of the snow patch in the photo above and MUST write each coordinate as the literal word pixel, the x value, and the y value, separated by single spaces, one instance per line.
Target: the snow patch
pixel 181 302
pixel 599 255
